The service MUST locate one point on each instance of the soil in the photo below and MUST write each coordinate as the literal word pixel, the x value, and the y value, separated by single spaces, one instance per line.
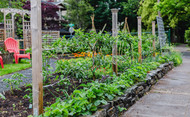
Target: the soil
pixel 16 105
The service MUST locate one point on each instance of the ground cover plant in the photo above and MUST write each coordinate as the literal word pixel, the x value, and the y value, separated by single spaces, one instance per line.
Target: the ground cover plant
pixel 80 85
pixel 10 68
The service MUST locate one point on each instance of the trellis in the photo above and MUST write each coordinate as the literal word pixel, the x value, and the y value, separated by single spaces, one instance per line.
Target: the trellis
pixel 27 34
pixel 9 24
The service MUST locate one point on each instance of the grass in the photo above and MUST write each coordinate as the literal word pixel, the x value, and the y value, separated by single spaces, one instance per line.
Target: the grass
pixel 10 68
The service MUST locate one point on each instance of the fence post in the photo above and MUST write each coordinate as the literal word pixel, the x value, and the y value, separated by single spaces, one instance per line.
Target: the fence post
pixel 37 79
pixel 169 36
pixel 153 33
pixel 114 34
pixel 140 39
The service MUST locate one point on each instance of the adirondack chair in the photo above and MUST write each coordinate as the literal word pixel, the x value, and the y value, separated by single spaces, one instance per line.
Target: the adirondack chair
pixel 12 46
pixel 1 61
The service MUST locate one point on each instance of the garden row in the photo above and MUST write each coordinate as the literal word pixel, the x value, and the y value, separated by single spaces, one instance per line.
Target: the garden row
pixel 90 95
pixel 80 86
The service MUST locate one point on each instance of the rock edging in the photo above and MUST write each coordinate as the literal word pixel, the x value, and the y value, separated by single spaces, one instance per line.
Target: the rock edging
pixel 132 94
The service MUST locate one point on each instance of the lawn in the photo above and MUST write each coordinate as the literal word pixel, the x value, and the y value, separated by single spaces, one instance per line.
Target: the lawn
pixel 10 68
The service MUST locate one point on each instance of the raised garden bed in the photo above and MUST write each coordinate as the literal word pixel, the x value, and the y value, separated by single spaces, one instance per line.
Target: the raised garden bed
pixel 22 106
pixel 112 109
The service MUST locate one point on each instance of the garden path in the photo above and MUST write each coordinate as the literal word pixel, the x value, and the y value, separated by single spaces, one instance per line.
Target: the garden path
pixel 170 97
pixel 27 73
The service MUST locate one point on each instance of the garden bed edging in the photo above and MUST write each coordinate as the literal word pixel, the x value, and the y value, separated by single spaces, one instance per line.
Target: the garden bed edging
pixel 132 94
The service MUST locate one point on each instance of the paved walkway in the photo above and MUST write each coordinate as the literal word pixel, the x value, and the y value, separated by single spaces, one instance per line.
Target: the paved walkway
pixel 170 97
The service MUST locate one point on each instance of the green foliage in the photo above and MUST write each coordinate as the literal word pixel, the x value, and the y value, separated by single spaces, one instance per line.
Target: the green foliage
pixel 29 95
pixel 12 4
pixel 14 81
pixel 147 12
pixel 187 36
pixel 10 68
pixel 78 12
pixel 175 10
pixel 2 96
pixel 2 50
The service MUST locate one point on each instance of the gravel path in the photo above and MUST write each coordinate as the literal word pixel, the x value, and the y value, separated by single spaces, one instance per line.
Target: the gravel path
pixel 27 73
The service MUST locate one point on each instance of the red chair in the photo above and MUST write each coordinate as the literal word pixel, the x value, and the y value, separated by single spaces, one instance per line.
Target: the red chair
pixel 1 61
pixel 12 46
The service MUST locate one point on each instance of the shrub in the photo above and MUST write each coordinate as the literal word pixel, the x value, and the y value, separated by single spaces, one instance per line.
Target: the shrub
pixel 187 36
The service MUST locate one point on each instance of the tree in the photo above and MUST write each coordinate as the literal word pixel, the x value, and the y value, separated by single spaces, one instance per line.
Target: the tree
pixel 175 11
pixel 78 12
pixel 130 8
pixel 49 15
pixel 12 4
pixel 147 12
pixel 103 12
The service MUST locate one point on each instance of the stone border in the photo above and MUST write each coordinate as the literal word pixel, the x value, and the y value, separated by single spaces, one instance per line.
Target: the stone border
pixel 132 94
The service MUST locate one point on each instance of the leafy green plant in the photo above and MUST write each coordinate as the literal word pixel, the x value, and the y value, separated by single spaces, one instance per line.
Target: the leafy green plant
pixel 14 81
pixel 29 95
pixel 187 36
pixel 2 96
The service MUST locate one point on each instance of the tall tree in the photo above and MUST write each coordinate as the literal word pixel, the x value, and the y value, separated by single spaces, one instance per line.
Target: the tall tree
pixel 175 14
pixel 175 10
pixel 49 14
pixel 78 12
pixel 130 8
pixel 147 12
pixel 127 8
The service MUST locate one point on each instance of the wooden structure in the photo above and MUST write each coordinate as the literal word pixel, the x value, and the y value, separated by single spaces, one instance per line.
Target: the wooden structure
pixel 153 33
pixel 9 29
pixel 140 39
pixel 126 25
pixel 37 78
pixel 10 23
pixel 27 34
pixel 93 25
pixel 49 37
pixel 114 34
pixel 2 37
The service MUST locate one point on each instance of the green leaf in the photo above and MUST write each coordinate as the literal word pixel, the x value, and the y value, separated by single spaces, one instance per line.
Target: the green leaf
pixel 2 96
pixel 97 102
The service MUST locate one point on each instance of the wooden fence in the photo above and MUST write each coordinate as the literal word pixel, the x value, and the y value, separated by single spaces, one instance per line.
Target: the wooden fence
pixel 50 36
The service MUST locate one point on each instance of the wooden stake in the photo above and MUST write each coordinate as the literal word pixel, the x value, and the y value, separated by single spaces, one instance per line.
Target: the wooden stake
pixel 37 79
pixel 114 34
pixel 153 33
pixel 93 26
pixel 140 40
pixel 126 25
pixel 13 25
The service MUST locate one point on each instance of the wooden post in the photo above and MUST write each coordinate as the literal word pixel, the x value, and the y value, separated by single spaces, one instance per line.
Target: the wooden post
pixel 159 14
pixel 140 40
pixel 13 25
pixel 114 34
pixel 37 79
pixel 5 27
pixel 24 36
pixel 93 25
pixel 153 33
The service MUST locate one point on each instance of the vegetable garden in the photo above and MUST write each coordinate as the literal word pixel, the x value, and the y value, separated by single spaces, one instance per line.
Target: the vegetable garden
pixel 84 79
